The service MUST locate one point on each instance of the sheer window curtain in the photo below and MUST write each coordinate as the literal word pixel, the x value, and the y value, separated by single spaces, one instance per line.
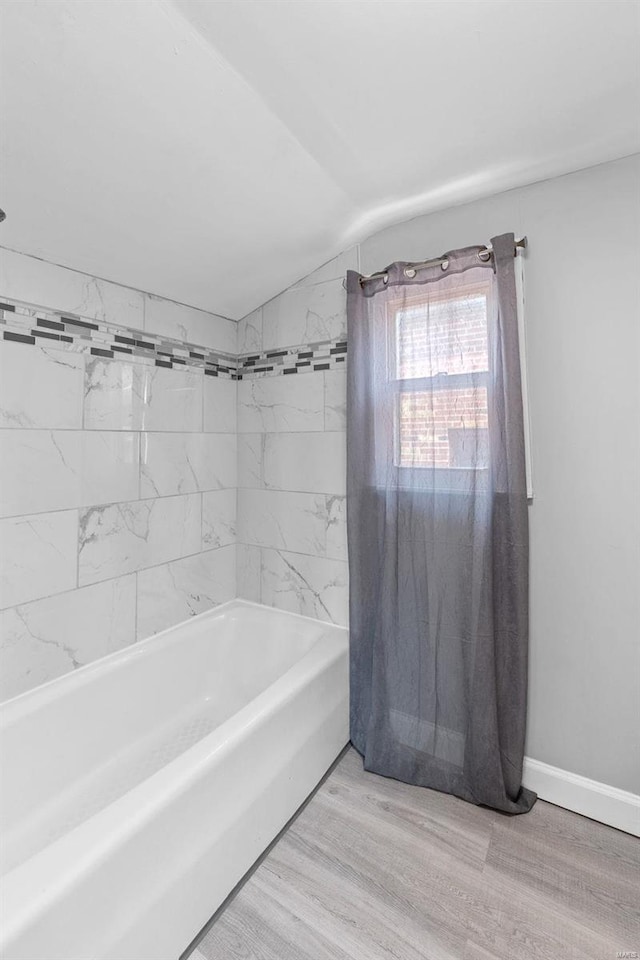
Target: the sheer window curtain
pixel 437 524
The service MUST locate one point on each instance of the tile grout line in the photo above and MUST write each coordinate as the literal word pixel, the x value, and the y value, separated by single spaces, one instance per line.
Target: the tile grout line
pixel 83 400
pixel 136 585
pixel 116 503
pixel 125 430
pixel 120 576
pixel 77 586
pixel 169 496
pixel 136 594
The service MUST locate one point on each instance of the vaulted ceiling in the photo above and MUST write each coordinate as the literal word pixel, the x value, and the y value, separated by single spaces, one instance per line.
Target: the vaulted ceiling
pixel 215 151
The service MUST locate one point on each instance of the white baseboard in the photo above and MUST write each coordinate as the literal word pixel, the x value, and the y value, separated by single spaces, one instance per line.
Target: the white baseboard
pixel 617 808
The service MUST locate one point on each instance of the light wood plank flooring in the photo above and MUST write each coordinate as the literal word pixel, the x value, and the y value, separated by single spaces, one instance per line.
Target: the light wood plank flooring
pixel 375 869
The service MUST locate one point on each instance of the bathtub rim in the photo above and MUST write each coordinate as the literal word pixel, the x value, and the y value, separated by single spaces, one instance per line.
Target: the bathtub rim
pixel 12 709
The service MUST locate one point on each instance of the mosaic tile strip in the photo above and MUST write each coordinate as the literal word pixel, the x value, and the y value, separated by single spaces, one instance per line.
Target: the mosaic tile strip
pixel 26 323
pixel 324 355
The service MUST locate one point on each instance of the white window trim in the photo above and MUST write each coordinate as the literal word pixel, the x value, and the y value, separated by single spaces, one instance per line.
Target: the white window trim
pixel 524 380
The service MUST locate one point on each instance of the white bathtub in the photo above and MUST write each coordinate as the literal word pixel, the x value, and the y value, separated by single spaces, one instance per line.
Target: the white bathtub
pixel 137 791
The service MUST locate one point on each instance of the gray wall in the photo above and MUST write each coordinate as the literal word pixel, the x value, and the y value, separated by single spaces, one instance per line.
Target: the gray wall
pixel 582 321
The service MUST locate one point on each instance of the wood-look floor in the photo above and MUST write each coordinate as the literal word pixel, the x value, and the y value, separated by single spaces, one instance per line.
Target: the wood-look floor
pixel 374 869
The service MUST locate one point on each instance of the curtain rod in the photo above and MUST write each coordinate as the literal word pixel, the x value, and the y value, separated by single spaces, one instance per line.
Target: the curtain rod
pixel 411 269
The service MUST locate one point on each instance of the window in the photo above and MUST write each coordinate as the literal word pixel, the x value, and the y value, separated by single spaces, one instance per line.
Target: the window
pixel 437 354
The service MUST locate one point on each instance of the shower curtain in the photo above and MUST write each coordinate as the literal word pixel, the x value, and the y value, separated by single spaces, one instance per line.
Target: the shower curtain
pixel 437 524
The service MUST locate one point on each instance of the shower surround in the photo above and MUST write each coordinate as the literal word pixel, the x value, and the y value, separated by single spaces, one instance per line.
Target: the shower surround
pixel 292 544
pixel 136 436
pixel 117 467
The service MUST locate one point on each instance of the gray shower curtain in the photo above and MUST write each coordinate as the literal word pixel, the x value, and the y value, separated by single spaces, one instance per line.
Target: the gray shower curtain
pixel 437 523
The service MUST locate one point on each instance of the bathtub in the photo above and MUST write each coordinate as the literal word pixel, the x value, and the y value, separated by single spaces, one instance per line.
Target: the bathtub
pixel 138 790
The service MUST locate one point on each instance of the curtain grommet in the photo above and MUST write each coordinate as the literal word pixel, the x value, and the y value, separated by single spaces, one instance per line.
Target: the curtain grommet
pixel 410 272
pixel 444 265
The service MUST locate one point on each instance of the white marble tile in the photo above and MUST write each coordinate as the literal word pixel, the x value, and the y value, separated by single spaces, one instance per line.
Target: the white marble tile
pixel 218 518
pixel 286 521
pixel 250 333
pixel 304 315
pixel 250 459
pixel 120 395
pixel 38 556
pixel 335 269
pixel 179 322
pixel 306 462
pixel 46 638
pixel 311 586
pixel 172 463
pixel 176 591
pixel 121 538
pixel 39 470
pixel 45 470
pixel 113 392
pixel 336 508
pixel 172 400
pixel 217 462
pixel 220 398
pixel 167 464
pixel 281 403
pixel 40 387
pixel 47 285
pixel 335 399
pixel 109 466
pixel 248 572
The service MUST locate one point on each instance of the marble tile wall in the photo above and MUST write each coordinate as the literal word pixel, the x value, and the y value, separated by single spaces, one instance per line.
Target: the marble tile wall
pixel 291 533
pixel 133 496
pixel 117 479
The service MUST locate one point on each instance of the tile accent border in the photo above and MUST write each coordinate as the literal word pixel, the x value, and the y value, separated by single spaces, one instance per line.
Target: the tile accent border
pixel 324 355
pixel 27 323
